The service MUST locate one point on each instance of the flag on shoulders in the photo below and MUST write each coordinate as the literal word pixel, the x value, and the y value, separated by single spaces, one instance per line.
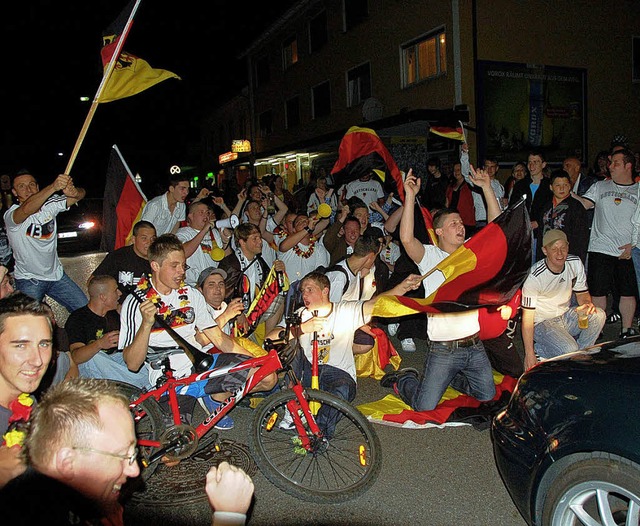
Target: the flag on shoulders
pixel 122 204
pixel 487 270
pixel 131 74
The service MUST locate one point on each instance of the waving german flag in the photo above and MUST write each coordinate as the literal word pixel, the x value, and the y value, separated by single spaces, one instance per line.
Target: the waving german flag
pixel 487 270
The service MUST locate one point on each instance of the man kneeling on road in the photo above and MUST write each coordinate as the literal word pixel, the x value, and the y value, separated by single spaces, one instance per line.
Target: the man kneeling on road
pixel 143 339
pixel 462 361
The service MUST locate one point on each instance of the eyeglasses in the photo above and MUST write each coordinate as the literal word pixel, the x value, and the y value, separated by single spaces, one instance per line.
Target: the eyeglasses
pixel 131 458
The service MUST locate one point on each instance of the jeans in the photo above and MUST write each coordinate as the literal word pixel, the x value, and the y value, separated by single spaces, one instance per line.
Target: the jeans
pixel 635 256
pixel 561 334
pixel 113 367
pixel 332 380
pixel 466 369
pixel 65 291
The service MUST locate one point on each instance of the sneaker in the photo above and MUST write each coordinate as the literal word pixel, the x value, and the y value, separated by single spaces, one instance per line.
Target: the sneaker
pixel 628 333
pixel 287 421
pixel 389 380
pixel 226 422
pixel 393 328
pixel 408 345
pixel 612 318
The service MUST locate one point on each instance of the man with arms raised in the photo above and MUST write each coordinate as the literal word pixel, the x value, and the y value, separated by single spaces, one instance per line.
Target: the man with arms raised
pixel 456 354
pixel 33 235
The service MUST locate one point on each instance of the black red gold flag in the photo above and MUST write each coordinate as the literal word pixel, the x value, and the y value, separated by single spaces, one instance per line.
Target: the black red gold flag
pixel 122 205
pixel 131 74
pixel 455 132
pixel 487 270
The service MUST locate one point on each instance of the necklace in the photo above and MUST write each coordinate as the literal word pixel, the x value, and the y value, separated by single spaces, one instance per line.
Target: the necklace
pixel 306 254
pixel 20 412
pixel 164 310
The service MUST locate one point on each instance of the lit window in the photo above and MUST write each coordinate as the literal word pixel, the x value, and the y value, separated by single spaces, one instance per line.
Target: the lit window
pixel 424 58
pixel 289 52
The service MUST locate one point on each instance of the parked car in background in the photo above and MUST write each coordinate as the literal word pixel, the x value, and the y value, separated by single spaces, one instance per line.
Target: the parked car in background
pixel 80 227
pixel 568 443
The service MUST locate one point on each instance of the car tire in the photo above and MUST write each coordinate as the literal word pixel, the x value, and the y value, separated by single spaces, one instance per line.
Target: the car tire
pixel 599 486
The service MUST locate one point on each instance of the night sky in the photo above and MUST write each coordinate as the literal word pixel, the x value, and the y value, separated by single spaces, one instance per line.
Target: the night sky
pixel 52 57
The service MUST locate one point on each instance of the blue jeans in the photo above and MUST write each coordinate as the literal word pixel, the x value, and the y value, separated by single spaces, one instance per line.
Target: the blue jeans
pixel 466 369
pixel 561 334
pixel 113 367
pixel 635 257
pixel 65 291
pixel 330 379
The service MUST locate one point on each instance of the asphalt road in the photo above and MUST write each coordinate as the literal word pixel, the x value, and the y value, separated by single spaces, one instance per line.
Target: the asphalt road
pixel 440 477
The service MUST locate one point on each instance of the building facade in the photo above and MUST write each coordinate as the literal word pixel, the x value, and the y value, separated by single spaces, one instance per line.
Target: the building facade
pixel 559 76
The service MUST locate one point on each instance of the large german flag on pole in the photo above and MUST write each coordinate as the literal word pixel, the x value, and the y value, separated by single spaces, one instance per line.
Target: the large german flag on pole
pixel 125 74
pixel 122 205
pixel 487 270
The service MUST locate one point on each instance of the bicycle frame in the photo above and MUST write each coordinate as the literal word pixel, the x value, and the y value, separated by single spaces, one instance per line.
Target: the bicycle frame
pixel 265 365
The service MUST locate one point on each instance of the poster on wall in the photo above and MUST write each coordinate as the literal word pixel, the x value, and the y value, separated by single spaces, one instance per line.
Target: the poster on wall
pixel 523 107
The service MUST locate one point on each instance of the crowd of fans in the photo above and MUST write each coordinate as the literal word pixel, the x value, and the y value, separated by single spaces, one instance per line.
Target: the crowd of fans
pixel 201 260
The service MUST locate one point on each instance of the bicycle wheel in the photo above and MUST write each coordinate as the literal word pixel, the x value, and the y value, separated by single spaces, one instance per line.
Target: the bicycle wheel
pixel 149 424
pixel 332 469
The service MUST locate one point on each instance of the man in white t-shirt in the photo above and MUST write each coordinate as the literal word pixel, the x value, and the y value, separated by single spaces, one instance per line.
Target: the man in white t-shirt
pixel 144 339
pixel 366 189
pixel 33 234
pixel 202 240
pixel 547 315
pixel 334 325
pixel 211 282
pixel 167 210
pixel 456 355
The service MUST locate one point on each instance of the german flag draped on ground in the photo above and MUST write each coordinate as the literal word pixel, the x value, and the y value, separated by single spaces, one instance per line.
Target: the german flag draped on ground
pixel 487 270
pixel 454 408
pixel 131 74
pixel 122 205
pixel 362 152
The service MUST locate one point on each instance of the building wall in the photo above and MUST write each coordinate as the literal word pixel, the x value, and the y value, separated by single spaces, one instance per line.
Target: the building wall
pixel 580 34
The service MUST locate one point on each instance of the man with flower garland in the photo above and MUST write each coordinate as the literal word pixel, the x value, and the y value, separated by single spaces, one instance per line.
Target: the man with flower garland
pixel 246 272
pixel 143 339
pixel 25 353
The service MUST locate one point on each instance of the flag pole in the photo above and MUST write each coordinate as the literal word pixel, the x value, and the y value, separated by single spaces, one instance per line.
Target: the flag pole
pixel 105 78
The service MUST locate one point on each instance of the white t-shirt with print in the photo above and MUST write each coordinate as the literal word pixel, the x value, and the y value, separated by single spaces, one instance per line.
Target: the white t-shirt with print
pixel 201 258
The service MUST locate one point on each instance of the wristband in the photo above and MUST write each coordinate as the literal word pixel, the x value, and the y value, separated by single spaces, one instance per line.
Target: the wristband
pixel 310 230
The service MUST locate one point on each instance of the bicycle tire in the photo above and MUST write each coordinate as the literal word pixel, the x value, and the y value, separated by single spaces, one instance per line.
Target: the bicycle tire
pixel 334 473
pixel 149 425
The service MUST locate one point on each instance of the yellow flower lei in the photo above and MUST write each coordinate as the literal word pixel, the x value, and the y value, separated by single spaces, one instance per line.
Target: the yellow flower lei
pixel 21 410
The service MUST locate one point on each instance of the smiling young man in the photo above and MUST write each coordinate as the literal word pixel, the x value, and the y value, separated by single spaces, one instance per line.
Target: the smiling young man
pixel 547 315
pixel 167 210
pixel 25 353
pixel 143 339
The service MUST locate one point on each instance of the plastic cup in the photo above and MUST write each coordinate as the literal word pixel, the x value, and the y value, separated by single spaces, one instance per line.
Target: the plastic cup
pixel 583 320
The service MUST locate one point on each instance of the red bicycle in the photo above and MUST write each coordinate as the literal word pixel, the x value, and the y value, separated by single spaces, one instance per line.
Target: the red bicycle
pixel 327 455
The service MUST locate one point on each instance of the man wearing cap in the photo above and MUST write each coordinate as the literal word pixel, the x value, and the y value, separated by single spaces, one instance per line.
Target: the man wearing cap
pixel 547 315
pixel 211 284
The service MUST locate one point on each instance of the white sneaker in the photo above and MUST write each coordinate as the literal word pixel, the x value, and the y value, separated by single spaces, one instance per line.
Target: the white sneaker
pixel 393 328
pixel 287 421
pixel 408 345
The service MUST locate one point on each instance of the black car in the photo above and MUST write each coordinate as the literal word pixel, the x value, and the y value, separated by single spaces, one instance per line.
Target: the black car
pixel 568 444
pixel 80 227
